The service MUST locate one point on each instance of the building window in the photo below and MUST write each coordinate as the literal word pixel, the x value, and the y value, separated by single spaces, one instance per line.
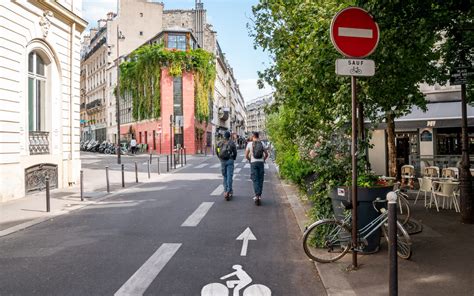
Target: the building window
pixel 178 96
pixel 36 92
pixel 177 41
pixel 141 33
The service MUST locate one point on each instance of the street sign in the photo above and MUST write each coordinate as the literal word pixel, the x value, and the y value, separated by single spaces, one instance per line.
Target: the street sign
pixel 460 75
pixel 355 67
pixel 354 33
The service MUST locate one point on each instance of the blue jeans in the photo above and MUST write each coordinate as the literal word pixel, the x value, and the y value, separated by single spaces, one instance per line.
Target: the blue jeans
pixel 257 175
pixel 227 167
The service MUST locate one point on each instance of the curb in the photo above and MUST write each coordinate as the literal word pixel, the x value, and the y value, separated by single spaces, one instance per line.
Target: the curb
pixel 334 284
pixel 106 195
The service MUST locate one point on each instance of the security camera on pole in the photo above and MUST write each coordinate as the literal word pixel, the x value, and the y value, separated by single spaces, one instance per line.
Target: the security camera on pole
pixel 355 34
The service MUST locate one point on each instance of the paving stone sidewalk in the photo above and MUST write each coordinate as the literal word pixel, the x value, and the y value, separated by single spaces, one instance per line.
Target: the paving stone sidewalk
pixel 442 262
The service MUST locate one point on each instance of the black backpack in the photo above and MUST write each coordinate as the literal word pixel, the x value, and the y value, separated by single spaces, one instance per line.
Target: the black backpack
pixel 225 152
pixel 257 149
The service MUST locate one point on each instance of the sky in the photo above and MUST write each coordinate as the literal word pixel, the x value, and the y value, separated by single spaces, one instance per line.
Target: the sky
pixel 229 18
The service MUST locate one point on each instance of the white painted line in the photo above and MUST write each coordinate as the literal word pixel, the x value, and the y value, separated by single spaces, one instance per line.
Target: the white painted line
pixel 247 166
pixel 144 276
pixel 215 166
pixel 244 160
pixel 266 166
pixel 197 215
pixel 201 166
pixel 353 32
pixel 219 190
pixel 237 170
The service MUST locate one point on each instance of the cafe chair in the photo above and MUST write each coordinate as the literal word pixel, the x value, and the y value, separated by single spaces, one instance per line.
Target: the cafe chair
pixel 450 173
pixel 446 190
pixel 408 175
pixel 426 185
pixel 431 171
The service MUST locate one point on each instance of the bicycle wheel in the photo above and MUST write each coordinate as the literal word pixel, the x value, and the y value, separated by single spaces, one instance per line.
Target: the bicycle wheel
pixel 403 241
pixel 403 208
pixel 326 240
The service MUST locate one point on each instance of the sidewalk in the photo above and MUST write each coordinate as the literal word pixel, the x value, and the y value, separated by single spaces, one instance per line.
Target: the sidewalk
pixel 442 262
pixel 19 214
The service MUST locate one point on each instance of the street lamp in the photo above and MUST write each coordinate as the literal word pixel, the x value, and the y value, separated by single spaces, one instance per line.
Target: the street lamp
pixel 117 97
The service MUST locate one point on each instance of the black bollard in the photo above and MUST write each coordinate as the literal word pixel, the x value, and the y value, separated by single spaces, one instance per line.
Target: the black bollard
pixel 82 185
pixel 158 165
pixel 123 176
pixel 184 156
pixel 48 197
pixel 107 178
pixel 136 172
pixel 174 160
pixel 150 157
pixel 392 248
pixel 167 163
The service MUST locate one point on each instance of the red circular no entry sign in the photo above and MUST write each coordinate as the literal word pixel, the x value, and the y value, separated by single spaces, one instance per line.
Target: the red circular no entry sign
pixel 354 32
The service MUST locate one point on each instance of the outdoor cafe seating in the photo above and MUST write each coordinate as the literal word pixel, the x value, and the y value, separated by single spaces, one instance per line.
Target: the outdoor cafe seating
pixel 447 190
pixel 431 171
pixel 408 176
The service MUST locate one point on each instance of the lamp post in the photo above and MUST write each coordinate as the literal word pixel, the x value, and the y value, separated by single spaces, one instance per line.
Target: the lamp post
pixel 117 97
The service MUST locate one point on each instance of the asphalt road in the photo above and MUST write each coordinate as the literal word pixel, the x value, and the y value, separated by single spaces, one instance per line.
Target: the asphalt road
pixel 172 237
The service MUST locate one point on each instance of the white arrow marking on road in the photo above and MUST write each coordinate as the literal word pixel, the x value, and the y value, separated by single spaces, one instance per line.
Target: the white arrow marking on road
pixel 353 32
pixel 144 276
pixel 245 237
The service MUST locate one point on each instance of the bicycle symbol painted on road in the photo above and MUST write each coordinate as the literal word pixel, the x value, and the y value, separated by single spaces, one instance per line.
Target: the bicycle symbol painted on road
pixel 243 281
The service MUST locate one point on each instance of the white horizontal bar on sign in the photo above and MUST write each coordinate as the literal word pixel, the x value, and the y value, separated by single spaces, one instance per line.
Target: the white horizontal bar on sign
pixel 355 67
pixel 354 32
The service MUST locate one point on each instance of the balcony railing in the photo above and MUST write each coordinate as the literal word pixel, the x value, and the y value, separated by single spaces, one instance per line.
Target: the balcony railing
pixel 39 143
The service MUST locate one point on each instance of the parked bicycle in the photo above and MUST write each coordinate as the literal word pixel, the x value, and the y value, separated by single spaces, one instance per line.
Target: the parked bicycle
pixel 328 240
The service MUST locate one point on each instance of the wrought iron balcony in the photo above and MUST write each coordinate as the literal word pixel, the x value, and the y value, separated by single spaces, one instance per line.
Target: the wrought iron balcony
pixel 39 143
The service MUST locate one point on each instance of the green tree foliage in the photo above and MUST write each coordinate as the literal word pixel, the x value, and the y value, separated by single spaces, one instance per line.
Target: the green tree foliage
pixel 140 77
pixel 313 103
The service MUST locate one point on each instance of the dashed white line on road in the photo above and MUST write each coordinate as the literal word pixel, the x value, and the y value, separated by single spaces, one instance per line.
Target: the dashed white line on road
pixel 247 166
pixel 201 166
pixel 197 215
pixel 244 160
pixel 144 276
pixel 266 166
pixel 215 166
pixel 237 170
pixel 219 190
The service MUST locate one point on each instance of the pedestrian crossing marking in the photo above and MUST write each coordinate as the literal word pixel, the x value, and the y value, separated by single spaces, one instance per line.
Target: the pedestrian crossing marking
pixel 237 170
pixel 201 166
pixel 247 166
pixel 218 191
pixel 215 166
pixel 267 166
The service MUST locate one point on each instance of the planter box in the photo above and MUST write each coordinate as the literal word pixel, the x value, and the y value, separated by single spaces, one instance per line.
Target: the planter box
pixel 365 211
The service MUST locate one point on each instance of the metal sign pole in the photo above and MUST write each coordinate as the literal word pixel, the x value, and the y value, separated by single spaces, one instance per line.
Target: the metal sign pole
pixel 354 171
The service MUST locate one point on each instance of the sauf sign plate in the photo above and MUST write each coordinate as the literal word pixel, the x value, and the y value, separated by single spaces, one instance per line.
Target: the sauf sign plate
pixel 355 67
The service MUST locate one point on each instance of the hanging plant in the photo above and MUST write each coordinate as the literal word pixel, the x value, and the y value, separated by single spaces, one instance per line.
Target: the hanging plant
pixel 140 78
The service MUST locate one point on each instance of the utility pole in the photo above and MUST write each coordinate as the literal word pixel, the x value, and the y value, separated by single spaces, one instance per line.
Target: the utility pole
pixel 117 96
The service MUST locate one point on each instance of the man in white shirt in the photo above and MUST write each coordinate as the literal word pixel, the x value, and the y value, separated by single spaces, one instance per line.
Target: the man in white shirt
pixel 133 145
pixel 256 154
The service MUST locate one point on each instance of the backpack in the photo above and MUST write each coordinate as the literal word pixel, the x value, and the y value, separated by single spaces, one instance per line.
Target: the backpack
pixel 257 149
pixel 225 152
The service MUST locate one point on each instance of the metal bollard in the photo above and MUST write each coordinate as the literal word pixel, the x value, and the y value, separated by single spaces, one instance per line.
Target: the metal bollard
pixel 82 185
pixel 181 156
pixel 123 176
pixel 48 197
pixel 159 173
pixel 148 170
pixel 174 160
pixel 205 151
pixel 392 248
pixel 167 163
pixel 184 156
pixel 107 178
pixel 136 172
pixel 150 157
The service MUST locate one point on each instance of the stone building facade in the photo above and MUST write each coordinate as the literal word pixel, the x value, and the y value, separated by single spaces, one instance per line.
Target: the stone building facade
pixel 39 94
pixel 256 117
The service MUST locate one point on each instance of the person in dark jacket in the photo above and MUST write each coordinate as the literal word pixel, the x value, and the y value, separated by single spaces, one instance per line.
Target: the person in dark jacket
pixel 227 153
